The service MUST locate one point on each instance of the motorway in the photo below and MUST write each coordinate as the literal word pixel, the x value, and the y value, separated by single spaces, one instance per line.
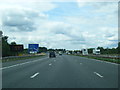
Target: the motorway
pixel 61 72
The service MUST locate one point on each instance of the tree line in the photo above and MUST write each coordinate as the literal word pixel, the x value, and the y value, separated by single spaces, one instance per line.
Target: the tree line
pixel 7 52
pixel 103 50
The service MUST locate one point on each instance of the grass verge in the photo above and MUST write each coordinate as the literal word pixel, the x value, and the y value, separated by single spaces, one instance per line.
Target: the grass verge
pixel 103 59
pixel 19 58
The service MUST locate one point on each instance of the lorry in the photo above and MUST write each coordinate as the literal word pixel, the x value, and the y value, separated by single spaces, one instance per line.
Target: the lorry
pixel 84 52
pixel 60 53
pixel 96 51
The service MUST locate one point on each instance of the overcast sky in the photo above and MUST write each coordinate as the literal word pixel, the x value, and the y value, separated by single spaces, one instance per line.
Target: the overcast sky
pixel 68 25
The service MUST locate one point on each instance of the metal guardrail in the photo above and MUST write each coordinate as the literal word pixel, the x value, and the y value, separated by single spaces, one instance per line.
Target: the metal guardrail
pixel 106 56
pixel 102 56
pixel 18 56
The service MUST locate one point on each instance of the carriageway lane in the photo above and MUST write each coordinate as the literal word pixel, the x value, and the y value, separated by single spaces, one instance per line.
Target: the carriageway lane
pixel 62 72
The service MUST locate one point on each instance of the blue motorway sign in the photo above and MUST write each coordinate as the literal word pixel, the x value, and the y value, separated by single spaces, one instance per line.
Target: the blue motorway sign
pixel 33 48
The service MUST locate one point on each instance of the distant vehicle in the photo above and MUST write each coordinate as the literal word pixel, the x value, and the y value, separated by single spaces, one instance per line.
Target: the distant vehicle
pixel 68 53
pixel 96 51
pixel 52 54
pixel 60 53
pixel 84 52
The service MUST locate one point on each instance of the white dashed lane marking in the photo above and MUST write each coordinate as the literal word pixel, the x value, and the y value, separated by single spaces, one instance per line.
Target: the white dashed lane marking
pixel 50 64
pixel 98 74
pixel 34 75
pixel 22 64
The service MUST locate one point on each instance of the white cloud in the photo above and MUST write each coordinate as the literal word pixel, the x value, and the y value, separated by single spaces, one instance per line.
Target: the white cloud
pixel 79 1
pixel 81 4
pixel 20 18
pixel 106 7
pixel 29 23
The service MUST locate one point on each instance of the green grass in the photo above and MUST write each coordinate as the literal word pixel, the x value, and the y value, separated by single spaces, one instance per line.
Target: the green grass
pixel 103 59
pixel 19 58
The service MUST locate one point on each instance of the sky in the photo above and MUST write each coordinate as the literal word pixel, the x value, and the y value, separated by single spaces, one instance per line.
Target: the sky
pixel 71 25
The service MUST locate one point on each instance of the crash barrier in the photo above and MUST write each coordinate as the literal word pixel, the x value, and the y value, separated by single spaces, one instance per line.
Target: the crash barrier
pixel 102 56
pixel 16 57
pixel 106 56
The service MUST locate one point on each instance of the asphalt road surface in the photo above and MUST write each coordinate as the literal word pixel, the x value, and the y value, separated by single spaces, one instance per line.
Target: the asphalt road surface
pixel 61 72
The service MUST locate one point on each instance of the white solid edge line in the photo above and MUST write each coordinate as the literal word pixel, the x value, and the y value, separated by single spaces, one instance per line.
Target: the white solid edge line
pixel 21 64
pixel 98 74
pixel 34 75
pixel 50 64
pixel 105 62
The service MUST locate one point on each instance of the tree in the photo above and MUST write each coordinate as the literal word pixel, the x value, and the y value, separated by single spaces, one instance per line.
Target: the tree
pixel 42 49
pixel 1 33
pixel 13 43
pixel 119 44
pixel 102 50
pixel 90 50
pixel 118 48
pixel 5 46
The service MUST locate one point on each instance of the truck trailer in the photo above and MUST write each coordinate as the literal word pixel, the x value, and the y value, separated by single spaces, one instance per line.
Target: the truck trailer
pixel 84 52
pixel 96 51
